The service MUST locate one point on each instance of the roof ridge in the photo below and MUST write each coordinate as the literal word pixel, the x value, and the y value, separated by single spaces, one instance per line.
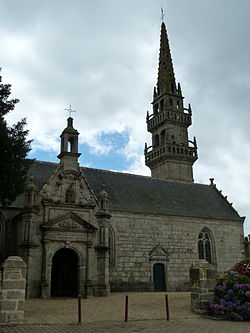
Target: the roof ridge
pixel 126 174
pixel 117 172
pixel 46 162
pixel 142 176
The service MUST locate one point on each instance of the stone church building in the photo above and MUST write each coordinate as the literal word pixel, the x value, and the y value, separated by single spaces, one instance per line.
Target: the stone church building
pixel 90 231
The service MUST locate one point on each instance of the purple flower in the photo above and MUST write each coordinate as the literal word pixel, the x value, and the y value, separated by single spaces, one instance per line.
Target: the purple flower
pixel 216 299
pixel 222 301
pixel 236 285
pixel 235 275
pixel 230 292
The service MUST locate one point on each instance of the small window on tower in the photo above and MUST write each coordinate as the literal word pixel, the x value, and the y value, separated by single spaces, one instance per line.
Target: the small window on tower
pixel 156 108
pixel 178 105
pixel 163 136
pixel 161 104
pixel 156 140
pixel 69 146
pixel 171 101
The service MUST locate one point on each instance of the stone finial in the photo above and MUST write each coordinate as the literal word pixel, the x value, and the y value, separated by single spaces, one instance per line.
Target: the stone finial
pixel 103 199
pixel 189 108
pixel 211 181
pixel 30 192
pixel 155 93
pixel 103 193
pixel 30 184
pixel 179 89
pixel 195 142
pixel 70 122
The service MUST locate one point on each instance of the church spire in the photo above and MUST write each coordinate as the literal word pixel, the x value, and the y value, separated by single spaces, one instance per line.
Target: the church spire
pixel 166 77
pixel 172 154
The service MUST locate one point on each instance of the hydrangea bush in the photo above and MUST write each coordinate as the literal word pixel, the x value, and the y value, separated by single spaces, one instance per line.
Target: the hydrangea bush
pixel 232 293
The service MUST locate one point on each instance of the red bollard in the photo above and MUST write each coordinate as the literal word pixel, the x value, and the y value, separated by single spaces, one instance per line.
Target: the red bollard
pixel 167 307
pixel 126 308
pixel 79 309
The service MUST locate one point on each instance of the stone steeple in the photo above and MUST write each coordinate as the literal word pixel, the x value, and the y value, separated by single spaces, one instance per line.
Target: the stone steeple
pixel 69 147
pixel 166 78
pixel 172 154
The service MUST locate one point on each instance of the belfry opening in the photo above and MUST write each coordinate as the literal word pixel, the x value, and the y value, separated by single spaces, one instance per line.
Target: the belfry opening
pixel 64 273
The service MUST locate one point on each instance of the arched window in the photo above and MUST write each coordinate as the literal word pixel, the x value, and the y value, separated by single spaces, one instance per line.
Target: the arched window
pixel 70 145
pixel 163 136
pixel 204 246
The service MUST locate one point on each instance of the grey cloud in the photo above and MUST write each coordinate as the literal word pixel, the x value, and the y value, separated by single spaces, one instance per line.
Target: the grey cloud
pixel 101 56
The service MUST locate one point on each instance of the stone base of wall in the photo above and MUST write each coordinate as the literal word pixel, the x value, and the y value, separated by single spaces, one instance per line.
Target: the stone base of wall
pixel 131 286
pixel 177 286
pixel 101 290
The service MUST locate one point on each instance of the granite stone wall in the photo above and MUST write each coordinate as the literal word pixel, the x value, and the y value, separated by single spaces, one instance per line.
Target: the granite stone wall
pixel 137 235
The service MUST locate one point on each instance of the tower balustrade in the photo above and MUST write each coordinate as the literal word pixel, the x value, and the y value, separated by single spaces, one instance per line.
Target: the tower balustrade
pixel 179 117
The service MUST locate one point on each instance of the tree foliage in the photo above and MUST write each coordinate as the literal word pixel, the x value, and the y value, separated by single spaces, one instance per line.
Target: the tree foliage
pixel 14 148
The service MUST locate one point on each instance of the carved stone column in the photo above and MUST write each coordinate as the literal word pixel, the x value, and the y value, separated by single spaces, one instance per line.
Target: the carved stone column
pixel 46 273
pixel 103 218
pixel 89 285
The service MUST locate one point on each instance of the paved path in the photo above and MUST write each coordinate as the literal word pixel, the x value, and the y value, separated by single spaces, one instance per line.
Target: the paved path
pixel 145 326
pixel 106 314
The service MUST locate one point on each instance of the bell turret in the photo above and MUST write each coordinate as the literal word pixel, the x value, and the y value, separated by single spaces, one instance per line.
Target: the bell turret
pixel 69 146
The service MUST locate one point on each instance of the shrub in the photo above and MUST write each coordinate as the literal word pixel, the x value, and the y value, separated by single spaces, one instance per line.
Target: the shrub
pixel 232 293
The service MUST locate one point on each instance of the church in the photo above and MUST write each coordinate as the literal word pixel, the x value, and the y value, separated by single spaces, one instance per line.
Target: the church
pixel 91 232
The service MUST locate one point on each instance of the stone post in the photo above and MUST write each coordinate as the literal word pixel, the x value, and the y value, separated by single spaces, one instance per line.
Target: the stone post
pixel 12 290
pixel 202 275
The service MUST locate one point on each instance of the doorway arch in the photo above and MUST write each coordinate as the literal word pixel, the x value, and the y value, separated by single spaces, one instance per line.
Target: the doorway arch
pixel 159 277
pixel 64 274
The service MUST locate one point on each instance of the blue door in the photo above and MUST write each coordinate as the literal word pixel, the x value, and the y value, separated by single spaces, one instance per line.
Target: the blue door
pixel 159 277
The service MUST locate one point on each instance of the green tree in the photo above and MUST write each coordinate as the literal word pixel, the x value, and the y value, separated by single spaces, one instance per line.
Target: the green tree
pixel 14 148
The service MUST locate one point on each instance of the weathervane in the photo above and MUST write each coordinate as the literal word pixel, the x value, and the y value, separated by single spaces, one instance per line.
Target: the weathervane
pixel 162 15
pixel 70 110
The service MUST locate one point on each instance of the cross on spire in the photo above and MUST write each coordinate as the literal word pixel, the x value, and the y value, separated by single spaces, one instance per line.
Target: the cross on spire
pixel 70 110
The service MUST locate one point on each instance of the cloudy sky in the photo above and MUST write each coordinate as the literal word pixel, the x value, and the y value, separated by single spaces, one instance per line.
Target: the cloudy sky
pixel 102 57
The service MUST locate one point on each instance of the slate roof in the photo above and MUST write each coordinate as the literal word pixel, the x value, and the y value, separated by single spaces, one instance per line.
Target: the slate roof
pixel 133 193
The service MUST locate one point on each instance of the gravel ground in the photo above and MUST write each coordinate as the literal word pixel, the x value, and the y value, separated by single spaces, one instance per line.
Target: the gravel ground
pixel 141 306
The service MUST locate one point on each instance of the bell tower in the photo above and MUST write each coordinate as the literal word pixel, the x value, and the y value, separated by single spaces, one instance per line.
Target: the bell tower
pixel 172 154
pixel 69 147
